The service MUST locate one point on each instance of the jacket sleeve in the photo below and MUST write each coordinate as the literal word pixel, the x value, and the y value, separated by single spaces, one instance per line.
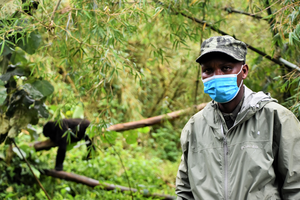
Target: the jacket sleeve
pixel 287 141
pixel 183 188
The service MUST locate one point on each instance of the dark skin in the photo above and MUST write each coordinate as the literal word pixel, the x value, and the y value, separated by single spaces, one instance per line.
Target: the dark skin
pixel 222 65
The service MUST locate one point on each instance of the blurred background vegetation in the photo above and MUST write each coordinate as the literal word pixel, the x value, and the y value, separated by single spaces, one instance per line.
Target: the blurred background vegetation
pixel 120 61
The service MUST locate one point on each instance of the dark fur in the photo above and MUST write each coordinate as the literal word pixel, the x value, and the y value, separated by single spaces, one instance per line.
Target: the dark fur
pixel 55 131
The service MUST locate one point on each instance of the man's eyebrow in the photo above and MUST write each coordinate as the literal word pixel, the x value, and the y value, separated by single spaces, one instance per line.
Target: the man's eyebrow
pixel 228 62
pixel 206 66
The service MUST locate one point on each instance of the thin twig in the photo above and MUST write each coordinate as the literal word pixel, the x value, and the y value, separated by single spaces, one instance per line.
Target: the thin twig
pixel 267 7
pixel 197 85
pixel 40 184
pixel 231 10
pixel 123 166
pixel 68 23
pixel 52 16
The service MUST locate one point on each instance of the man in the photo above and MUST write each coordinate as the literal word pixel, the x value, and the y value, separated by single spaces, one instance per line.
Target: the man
pixel 242 145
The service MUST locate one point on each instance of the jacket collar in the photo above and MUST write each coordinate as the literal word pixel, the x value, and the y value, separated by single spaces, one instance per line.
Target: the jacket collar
pixel 253 102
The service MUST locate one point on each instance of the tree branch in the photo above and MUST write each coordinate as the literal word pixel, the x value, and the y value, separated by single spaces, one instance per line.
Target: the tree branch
pixel 231 10
pixel 105 186
pixel 277 61
pixel 47 144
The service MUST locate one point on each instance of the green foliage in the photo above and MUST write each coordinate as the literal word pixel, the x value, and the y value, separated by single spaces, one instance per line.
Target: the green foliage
pixel 23 94
pixel 287 21
pixel 165 141
pixel 115 62
pixel 16 177
pixel 145 172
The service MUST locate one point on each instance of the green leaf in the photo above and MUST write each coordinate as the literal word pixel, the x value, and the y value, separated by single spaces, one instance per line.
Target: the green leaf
pixel 32 91
pixel 70 146
pixel 4 49
pixel 131 136
pixel 18 57
pixel 13 132
pixel 295 37
pixel 34 118
pixel 44 87
pixel 2 156
pixel 87 14
pixel 3 93
pixel 26 100
pixel 68 133
pixel 41 108
pixel 144 129
pixel 291 38
pixel 109 136
pixel 32 131
pixel 35 171
pixel 93 130
pixel 78 112
pixel 16 150
pixel 31 43
pixel 297 30
pixel 15 71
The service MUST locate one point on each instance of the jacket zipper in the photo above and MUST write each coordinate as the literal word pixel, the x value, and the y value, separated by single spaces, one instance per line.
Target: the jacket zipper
pixel 225 145
pixel 225 164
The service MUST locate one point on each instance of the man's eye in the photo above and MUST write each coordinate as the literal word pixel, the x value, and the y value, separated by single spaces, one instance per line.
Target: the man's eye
pixel 207 71
pixel 226 68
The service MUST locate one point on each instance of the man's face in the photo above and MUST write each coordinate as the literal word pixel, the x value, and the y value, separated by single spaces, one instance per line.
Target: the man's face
pixel 223 66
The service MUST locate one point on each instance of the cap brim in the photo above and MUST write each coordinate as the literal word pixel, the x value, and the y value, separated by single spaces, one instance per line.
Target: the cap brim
pixel 198 60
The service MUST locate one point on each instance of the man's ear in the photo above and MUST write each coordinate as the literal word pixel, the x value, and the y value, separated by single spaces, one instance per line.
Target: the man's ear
pixel 245 71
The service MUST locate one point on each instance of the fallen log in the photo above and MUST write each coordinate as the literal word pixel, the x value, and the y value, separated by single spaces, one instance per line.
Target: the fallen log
pixel 47 144
pixel 105 186
pixel 153 120
pixel 44 145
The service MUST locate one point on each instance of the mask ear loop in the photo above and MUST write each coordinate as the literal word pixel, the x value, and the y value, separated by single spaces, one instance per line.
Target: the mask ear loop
pixel 239 86
pixel 240 69
pixel 242 78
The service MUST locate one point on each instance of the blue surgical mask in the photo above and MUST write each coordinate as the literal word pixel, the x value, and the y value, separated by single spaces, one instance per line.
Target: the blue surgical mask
pixel 222 88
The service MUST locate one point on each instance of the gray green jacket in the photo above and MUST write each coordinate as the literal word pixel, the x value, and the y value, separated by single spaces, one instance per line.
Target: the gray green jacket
pixel 257 158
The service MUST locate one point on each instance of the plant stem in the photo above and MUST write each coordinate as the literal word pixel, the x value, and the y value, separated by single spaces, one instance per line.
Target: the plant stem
pixel 52 16
pixel 127 177
pixel 41 186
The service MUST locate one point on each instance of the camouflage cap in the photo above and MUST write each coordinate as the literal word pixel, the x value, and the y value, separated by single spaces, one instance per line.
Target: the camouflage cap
pixel 224 44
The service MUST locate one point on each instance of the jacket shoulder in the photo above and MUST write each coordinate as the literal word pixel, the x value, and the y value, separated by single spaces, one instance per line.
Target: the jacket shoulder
pixel 280 110
pixel 196 118
pixel 199 116
pixel 272 106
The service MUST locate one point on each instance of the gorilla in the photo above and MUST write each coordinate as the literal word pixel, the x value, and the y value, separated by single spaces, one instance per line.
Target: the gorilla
pixel 57 132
